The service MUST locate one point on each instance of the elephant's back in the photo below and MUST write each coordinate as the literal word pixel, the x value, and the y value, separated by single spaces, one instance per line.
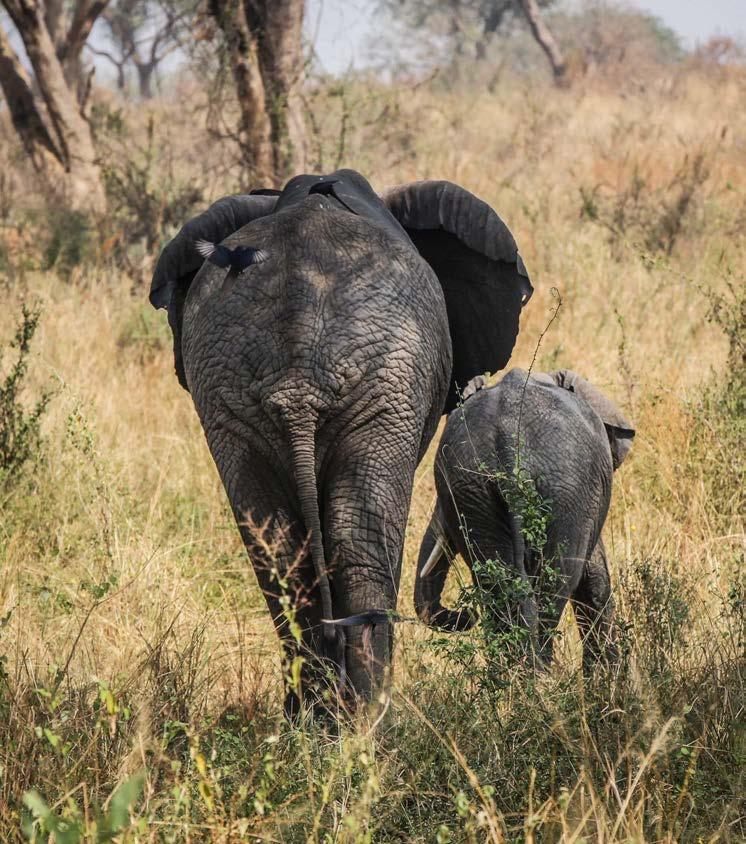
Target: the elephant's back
pixel 338 307
pixel 562 441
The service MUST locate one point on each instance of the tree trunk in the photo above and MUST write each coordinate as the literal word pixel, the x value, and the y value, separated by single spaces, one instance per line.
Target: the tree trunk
pixel 544 37
pixel 253 125
pixel 84 16
pixel 24 114
pixel 145 79
pixel 278 31
pixel 492 22
pixel 69 35
pixel 264 41
pixel 70 51
pixel 54 16
pixel 65 126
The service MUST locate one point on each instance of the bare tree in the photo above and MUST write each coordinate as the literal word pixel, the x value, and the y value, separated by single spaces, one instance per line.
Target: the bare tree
pixel 476 22
pixel 51 126
pixel 143 33
pixel 263 41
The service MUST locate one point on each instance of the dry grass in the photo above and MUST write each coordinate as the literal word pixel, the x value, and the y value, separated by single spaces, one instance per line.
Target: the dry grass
pixel 133 635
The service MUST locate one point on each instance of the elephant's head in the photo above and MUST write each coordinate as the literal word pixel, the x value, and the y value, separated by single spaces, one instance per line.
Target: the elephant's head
pixel 468 246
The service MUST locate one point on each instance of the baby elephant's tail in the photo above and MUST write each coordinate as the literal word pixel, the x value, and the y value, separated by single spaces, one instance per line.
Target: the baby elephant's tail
pixel 528 601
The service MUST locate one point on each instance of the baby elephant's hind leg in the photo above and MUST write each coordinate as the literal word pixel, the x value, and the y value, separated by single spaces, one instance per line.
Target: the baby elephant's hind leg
pixel 594 610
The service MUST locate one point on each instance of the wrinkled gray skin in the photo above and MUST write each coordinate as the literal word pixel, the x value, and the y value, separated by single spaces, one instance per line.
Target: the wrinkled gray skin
pixel 319 376
pixel 572 438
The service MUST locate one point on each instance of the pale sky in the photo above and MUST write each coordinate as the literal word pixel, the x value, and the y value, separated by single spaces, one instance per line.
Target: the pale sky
pixel 340 27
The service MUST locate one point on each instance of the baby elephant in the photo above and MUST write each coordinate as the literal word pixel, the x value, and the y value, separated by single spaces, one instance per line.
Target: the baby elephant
pixel 533 450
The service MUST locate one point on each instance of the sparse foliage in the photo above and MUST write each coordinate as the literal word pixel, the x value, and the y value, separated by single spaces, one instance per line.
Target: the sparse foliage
pixel 649 216
pixel 144 197
pixel 473 24
pixel 496 593
pixel 44 824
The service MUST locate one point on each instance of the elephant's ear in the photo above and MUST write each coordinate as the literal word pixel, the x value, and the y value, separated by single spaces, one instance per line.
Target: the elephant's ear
pixel 179 261
pixel 619 430
pixel 476 260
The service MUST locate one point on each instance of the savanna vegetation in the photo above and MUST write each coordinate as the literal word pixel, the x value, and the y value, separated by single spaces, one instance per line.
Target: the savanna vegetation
pixel 140 684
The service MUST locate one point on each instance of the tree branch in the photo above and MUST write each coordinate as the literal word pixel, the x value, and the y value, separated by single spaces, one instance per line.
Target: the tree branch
pixel 254 128
pixel 53 15
pixel 543 35
pixel 105 54
pixel 85 15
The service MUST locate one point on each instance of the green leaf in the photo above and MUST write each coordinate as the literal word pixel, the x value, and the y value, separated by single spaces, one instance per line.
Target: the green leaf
pixel 65 832
pixel 118 816
pixel 35 802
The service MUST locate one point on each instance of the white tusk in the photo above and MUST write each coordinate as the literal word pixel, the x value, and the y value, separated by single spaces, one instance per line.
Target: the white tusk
pixel 433 558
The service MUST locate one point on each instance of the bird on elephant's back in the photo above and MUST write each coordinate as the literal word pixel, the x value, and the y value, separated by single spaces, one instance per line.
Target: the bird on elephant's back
pixel 322 331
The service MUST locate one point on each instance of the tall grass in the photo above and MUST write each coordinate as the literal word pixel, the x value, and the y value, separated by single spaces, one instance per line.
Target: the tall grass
pixel 139 673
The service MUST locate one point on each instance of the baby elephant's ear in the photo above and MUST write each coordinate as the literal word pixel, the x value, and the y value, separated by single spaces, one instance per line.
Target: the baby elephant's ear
pixel 476 260
pixel 619 430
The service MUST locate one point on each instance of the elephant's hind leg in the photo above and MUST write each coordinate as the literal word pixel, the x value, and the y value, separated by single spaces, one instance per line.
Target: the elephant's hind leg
pixel 594 610
pixel 272 531
pixel 366 503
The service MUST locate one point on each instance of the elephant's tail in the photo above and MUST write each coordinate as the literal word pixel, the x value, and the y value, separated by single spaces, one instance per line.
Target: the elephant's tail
pixel 303 447
pixel 528 604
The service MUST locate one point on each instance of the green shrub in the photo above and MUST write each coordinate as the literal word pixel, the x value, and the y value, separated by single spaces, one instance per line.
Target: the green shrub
pixel 497 592
pixel 70 826
pixel 651 218
pixel 659 614
pixel 20 434
pixel 145 199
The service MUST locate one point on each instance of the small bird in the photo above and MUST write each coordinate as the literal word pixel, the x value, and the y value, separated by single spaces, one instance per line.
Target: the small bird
pixel 237 261
pixel 326 187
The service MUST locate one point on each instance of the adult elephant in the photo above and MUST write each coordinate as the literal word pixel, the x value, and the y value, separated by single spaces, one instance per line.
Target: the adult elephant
pixel 553 434
pixel 321 343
